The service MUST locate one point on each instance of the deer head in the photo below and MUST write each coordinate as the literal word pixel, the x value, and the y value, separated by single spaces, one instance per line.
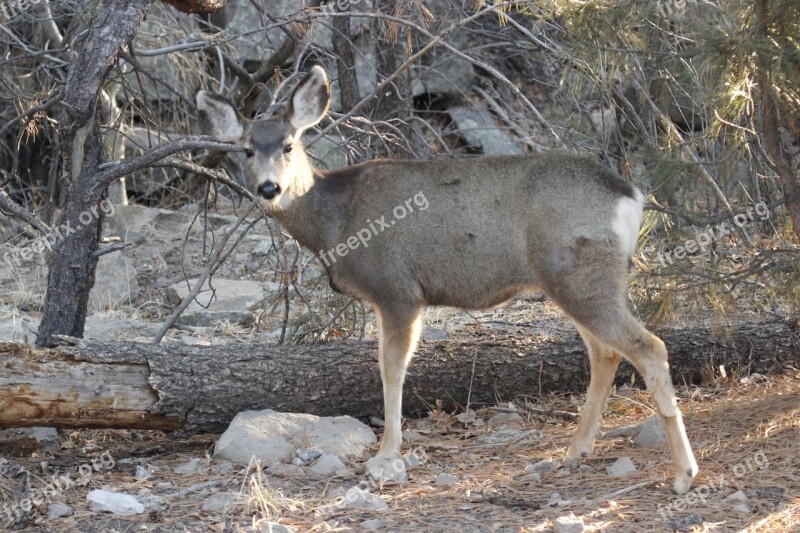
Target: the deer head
pixel 276 159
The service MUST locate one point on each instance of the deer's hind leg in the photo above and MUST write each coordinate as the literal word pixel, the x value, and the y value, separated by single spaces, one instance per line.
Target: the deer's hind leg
pixel 591 288
pixel 604 362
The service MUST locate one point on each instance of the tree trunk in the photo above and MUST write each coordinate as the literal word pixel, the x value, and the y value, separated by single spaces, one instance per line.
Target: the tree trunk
pixel 345 63
pixel 770 128
pixel 74 258
pixel 128 385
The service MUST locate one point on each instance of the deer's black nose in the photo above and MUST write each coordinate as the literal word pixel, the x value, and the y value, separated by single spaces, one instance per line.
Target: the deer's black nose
pixel 269 190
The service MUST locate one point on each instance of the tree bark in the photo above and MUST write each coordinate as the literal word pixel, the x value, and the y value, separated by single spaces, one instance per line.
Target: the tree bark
pixel 128 385
pixel 77 232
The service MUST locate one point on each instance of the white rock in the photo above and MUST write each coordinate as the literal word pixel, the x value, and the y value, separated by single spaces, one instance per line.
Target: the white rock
pixel 446 479
pixel 541 466
pixel 327 465
pixel 568 524
pixel 355 498
pixel 621 467
pixel 58 510
pixel 273 437
pixel 742 508
pixel 114 502
pixel 194 466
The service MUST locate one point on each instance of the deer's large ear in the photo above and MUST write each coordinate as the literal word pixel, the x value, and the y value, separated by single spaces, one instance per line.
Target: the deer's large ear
pixel 310 100
pixel 218 118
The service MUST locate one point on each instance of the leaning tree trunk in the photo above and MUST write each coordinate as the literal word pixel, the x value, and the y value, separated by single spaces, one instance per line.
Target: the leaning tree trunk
pixel 77 232
pixel 128 385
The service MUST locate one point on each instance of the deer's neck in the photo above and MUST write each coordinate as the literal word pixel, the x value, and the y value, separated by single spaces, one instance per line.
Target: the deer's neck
pixel 315 213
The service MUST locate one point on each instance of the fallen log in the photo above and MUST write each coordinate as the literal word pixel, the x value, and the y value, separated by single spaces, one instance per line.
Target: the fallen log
pixel 93 384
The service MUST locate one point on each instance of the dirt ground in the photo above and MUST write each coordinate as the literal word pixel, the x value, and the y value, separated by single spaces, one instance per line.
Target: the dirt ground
pixel 746 436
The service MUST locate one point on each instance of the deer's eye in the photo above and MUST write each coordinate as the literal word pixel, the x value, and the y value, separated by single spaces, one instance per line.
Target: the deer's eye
pixel 249 153
pixel 288 149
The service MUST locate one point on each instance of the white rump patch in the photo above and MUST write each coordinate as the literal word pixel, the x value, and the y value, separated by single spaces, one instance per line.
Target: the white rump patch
pixel 627 221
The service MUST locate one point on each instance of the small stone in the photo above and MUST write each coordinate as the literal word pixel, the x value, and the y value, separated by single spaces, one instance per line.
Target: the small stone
pixel 271 527
pixel 412 435
pixel 278 469
pixel 742 508
pixel 651 434
pixel 506 435
pixel 151 502
pixel 327 465
pixel 297 461
pixel 564 472
pixel 195 466
pixel 541 466
pixel 554 499
pixel 621 467
pixel 43 434
pixel 584 468
pixel 387 469
pixel 355 498
pixel 684 523
pixel 506 420
pixel 412 459
pixel 58 510
pixel 738 496
pixel 568 524
pixel 335 493
pixel 308 454
pixel 434 334
pixel 114 502
pixel 446 479
pixel 225 468
pixel 372 525
pixel 142 473
pixel 164 487
pixel 536 477
pixel 219 503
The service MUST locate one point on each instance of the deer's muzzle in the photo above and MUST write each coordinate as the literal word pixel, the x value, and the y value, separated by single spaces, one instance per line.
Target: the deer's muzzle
pixel 269 190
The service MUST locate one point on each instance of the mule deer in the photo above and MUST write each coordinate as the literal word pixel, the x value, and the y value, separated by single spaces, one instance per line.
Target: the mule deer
pixel 495 226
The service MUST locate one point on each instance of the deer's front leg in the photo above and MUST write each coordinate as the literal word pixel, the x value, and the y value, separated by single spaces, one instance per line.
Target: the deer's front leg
pixel 398 332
